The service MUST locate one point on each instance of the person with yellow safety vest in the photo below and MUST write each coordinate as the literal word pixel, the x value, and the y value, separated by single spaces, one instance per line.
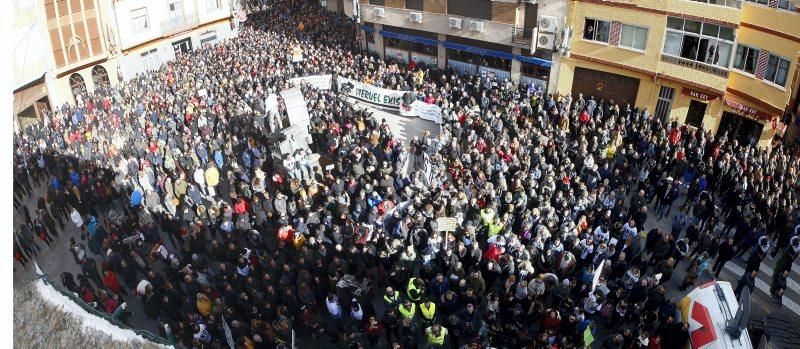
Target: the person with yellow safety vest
pixel 392 298
pixel 487 215
pixel 435 335
pixel 495 226
pixel 428 310
pixel 407 309
pixel 415 290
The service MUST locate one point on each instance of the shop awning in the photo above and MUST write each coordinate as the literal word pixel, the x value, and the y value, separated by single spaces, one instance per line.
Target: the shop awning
pixel 478 50
pixel 533 60
pixel 368 29
pixel 412 38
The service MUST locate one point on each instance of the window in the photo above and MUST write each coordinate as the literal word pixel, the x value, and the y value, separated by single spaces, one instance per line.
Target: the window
pixel 762 2
pixel 777 70
pixel 77 85
pixel 175 8
pixel 100 77
pixel 664 105
pixel 414 5
pixel 633 37
pixel 786 5
pixel 213 4
pixel 481 9
pixel 377 2
pixel 150 60
pixel 139 20
pixel 596 30
pixel 746 58
pixel 701 42
pixel 728 3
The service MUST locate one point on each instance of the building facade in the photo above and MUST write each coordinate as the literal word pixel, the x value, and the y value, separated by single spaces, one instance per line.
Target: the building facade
pixel 471 36
pixel 30 62
pixel 728 66
pixel 152 32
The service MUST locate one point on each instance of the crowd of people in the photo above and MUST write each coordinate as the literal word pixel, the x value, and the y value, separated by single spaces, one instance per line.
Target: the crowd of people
pixel 183 203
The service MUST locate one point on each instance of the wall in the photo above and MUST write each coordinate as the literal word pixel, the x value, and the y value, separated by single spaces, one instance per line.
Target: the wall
pixel 496 32
pixel 644 97
pixel 30 56
pixel 61 92
pixel 158 12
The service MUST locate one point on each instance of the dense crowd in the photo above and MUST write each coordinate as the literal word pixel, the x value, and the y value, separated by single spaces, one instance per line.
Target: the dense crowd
pixel 182 201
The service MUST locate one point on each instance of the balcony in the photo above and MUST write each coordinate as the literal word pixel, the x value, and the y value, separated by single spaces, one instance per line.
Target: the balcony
pixel 521 37
pixel 178 24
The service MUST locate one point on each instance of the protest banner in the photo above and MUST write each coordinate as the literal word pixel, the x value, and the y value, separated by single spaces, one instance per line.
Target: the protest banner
pixel 320 82
pixel 425 111
pixel 377 96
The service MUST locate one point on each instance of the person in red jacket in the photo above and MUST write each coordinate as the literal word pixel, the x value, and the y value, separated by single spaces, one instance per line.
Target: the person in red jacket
pixel 552 319
pixel 111 281
pixel 240 207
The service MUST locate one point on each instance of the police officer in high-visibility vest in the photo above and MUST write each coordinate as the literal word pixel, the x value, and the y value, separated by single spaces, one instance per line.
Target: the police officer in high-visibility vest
pixel 407 309
pixel 435 336
pixel 415 290
pixel 428 311
pixel 392 298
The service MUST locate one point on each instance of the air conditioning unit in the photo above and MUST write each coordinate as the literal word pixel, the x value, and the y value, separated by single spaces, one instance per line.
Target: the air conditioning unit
pixel 415 17
pixel 476 26
pixel 379 12
pixel 547 24
pixel 546 41
pixel 454 23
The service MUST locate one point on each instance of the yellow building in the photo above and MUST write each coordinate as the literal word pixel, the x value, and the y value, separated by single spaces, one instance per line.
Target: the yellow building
pixel 724 65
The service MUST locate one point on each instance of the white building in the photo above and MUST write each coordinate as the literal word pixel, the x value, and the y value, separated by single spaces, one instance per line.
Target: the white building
pixel 150 32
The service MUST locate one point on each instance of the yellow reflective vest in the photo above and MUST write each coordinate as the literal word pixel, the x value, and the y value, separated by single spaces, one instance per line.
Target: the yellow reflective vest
pixel 393 300
pixel 434 339
pixel 428 312
pixel 411 287
pixel 408 313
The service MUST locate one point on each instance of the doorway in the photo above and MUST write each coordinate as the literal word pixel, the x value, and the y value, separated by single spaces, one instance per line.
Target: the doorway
pixel 744 130
pixel 697 111
pixel 182 46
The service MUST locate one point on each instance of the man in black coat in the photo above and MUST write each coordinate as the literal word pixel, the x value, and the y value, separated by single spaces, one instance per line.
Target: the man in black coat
pixel 725 253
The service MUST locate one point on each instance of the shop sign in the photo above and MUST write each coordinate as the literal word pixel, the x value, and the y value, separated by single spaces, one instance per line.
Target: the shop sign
pixel 695 65
pixel 699 95
pixel 744 110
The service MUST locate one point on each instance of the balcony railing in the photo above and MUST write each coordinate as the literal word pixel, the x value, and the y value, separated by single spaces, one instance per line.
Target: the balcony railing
pixel 178 23
pixel 521 36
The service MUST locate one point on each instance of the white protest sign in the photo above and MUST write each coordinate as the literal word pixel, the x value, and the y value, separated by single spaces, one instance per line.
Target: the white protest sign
pixel 371 94
pixel 297 54
pixel 425 111
pixel 320 82
pixel 446 223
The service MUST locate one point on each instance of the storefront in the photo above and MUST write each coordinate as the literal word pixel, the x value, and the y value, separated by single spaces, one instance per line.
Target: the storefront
pixel 698 106
pixel 472 60
pixel 602 85
pixel 743 123
pixel 30 102
pixel 405 47
pixel 369 37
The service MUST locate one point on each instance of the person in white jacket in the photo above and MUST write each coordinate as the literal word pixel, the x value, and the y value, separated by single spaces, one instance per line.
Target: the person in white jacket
pixel 332 302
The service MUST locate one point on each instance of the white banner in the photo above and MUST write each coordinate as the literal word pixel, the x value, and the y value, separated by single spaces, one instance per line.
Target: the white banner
pixel 371 94
pixel 320 82
pixel 425 111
